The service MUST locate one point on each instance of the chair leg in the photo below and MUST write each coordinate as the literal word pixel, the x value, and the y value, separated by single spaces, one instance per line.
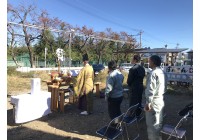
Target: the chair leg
pixel 122 136
pixel 141 116
pixel 138 135
pixel 169 137
pixel 126 129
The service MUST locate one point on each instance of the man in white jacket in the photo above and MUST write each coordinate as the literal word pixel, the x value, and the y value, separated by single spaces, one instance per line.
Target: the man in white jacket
pixel 154 92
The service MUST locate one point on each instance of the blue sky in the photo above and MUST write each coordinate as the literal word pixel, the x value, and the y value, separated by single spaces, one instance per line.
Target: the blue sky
pixel 162 21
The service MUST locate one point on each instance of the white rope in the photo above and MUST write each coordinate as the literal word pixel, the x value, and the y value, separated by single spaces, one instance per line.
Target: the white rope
pixel 78 34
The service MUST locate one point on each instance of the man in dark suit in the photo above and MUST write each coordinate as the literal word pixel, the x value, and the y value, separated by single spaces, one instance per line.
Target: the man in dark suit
pixel 135 83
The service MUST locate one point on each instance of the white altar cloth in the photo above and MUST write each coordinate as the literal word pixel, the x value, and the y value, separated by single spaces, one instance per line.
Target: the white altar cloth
pixel 28 107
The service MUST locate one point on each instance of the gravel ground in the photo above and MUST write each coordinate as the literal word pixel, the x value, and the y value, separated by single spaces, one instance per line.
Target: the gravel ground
pixel 71 126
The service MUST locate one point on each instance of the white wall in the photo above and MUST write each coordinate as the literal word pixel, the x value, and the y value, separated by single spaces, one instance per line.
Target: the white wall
pixel 28 69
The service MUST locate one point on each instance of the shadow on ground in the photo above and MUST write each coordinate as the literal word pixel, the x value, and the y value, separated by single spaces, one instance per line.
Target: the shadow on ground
pixel 70 124
pixel 31 134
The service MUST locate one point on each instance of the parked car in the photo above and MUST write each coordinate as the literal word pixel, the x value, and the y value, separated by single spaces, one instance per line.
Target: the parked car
pixel 98 67
pixel 147 68
pixel 125 66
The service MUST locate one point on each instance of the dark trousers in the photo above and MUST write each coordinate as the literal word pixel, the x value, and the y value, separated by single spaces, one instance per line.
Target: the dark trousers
pixel 86 102
pixel 89 99
pixel 114 107
pixel 136 97
pixel 82 102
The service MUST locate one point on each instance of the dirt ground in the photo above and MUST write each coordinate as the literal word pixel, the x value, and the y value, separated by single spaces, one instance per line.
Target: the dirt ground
pixel 72 126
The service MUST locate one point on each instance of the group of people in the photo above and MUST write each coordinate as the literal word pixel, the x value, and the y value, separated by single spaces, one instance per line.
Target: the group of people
pixel 155 89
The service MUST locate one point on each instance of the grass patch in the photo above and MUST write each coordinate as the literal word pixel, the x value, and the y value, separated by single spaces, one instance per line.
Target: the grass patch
pixel 21 82
pixel 12 71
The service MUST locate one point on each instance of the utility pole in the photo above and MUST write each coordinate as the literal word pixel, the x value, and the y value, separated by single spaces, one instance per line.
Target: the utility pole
pixel 35 61
pixel 45 53
pixel 177 45
pixel 140 33
pixel 70 42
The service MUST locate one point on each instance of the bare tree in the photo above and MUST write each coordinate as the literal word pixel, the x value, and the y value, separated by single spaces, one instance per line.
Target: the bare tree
pixel 116 36
pixel 100 45
pixel 129 46
pixel 48 24
pixel 80 41
pixel 11 43
pixel 25 15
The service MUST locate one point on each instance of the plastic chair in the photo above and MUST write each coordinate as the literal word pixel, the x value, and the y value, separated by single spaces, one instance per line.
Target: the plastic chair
pixel 176 131
pixel 129 118
pixel 113 129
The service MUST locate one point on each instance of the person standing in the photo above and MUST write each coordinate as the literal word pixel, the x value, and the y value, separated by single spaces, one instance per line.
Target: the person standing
pixel 84 87
pixel 154 93
pixel 114 90
pixel 135 83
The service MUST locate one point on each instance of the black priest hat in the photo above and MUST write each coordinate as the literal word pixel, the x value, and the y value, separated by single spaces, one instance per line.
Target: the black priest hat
pixel 85 57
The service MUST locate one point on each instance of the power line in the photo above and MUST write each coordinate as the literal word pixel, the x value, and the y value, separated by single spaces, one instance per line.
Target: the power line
pixel 113 22
pixel 97 16
pixel 91 36
pixel 37 27
pixel 158 39
pixel 84 4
